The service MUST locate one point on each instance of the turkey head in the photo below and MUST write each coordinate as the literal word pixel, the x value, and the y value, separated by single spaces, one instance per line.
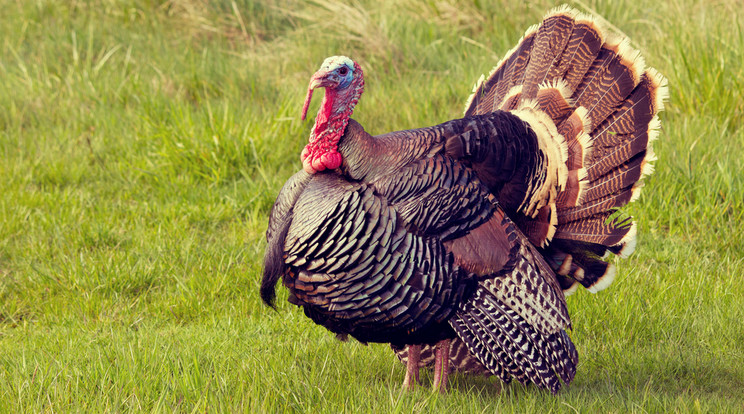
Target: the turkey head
pixel 343 81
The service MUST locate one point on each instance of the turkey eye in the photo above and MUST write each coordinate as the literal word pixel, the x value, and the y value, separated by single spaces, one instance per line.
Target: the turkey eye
pixel 343 71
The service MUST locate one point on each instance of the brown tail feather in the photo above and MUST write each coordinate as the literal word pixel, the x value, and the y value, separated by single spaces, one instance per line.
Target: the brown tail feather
pixel 629 130
pixel 588 223
pixel 613 75
pixel 550 41
pixel 598 228
pixel 512 99
pixel 618 180
pixel 554 99
pixel 582 48
pixel 575 129
pixel 541 228
pixel 488 95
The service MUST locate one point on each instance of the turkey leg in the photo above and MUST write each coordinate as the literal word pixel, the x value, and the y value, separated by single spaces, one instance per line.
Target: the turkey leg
pixel 412 367
pixel 441 365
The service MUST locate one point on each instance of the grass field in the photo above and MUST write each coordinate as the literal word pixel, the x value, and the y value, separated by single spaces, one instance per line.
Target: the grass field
pixel 142 144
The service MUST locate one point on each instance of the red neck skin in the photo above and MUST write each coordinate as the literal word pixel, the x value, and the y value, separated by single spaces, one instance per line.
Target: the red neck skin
pixel 321 152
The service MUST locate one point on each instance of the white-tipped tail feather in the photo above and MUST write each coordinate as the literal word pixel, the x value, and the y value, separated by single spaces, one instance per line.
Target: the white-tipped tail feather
pixel 604 281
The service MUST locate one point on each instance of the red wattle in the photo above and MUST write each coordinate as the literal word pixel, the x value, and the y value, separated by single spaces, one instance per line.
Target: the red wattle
pixel 331 160
pixel 317 164
pixel 307 167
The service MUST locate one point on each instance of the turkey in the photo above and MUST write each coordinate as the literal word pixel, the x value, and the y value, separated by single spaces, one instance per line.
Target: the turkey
pixel 457 243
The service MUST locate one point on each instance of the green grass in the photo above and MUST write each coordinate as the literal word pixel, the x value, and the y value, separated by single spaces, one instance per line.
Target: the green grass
pixel 142 144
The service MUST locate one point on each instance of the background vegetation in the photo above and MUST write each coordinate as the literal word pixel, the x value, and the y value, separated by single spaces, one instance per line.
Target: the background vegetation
pixel 142 144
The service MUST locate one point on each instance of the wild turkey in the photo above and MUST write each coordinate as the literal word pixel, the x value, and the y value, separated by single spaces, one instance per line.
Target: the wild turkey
pixel 462 237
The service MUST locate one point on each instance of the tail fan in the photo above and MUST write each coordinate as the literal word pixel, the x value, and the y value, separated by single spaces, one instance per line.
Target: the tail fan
pixel 604 105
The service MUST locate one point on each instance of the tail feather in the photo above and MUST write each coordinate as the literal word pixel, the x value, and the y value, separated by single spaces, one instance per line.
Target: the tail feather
pixel 586 40
pixel 550 41
pixel 598 228
pixel 574 189
pixel 610 79
pixel 540 228
pixel 616 182
pixel 594 270
pixel 575 128
pixel 554 99
pixel 580 263
pixel 588 209
pixel 487 95
pixel 628 131
pixel 512 99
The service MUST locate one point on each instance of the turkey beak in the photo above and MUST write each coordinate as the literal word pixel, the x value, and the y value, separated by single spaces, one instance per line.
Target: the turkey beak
pixel 319 79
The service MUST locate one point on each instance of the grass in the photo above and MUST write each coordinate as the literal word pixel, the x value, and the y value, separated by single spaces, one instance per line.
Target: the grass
pixel 142 144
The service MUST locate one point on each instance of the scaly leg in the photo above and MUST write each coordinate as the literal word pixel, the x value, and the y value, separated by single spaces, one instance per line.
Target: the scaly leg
pixel 441 365
pixel 412 368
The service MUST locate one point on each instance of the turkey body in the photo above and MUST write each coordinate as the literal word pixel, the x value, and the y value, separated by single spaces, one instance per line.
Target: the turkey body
pixel 469 232
pixel 408 246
